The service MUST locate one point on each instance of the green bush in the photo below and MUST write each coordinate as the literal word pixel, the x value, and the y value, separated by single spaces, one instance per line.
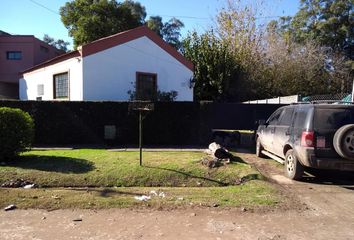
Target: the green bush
pixel 16 132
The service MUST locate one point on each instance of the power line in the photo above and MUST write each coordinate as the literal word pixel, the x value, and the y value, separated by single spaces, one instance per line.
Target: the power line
pixel 190 17
pixel 152 55
pixel 41 5
pixel 204 18
pixel 162 15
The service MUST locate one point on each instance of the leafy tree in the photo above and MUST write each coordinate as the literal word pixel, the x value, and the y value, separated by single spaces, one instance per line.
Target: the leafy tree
pixel 136 9
pixel 59 43
pixel 155 24
pixel 89 20
pixel 328 22
pixel 216 72
pixel 169 31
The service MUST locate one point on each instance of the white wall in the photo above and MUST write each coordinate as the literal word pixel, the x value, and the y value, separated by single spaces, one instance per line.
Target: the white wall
pixel 279 100
pixel 110 74
pixel 29 82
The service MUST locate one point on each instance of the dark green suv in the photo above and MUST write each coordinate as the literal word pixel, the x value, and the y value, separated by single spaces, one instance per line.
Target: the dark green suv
pixel 309 135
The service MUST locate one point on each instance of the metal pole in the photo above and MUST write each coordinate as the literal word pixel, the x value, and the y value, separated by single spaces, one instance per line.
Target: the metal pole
pixel 141 138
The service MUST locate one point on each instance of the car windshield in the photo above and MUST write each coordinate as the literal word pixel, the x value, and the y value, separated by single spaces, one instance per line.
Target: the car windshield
pixel 333 118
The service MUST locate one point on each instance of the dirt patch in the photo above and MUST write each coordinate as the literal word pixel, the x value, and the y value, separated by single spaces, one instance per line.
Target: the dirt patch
pixel 177 224
pixel 273 172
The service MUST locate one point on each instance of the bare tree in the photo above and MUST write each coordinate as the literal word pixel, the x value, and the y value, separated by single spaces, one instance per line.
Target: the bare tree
pixel 307 68
pixel 273 64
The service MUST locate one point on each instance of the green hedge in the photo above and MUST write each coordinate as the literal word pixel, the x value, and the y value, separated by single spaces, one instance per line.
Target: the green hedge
pixel 171 123
pixel 16 132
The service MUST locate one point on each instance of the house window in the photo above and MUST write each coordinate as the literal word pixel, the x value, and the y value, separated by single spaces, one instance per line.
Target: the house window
pixel 146 86
pixel 61 85
pixel 14 55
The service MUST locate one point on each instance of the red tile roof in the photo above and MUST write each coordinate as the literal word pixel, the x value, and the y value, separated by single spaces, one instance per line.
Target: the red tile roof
pixel 115 40
pixel 52 61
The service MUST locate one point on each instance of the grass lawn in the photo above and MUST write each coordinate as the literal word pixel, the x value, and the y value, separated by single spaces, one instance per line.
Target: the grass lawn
pixel 89 178
pixel 102 168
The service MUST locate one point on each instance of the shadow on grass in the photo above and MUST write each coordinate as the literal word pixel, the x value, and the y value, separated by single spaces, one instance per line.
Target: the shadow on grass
pixel 106 192
pixel 223 154
pixel 236 159
pixel 190 175
pixel 53 164
pixel 252 176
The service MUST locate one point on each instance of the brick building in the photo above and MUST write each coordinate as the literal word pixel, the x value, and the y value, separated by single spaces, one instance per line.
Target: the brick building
pixel 18 53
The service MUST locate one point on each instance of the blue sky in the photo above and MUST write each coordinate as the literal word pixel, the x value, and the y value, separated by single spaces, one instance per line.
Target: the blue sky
pixel 28 18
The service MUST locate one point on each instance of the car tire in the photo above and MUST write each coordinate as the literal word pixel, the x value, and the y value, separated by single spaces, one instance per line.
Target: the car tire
pixel 259 149
pixel 343 141
pixel 292 167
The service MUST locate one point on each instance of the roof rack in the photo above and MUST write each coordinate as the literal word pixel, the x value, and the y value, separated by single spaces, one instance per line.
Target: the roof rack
pixel 331 102
pixel 322 102
pixel 298 103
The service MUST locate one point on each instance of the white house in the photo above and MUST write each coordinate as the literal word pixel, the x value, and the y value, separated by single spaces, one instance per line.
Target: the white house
pixel 137 60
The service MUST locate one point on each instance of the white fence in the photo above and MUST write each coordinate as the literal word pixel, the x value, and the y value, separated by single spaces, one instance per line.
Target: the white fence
pixel 278 100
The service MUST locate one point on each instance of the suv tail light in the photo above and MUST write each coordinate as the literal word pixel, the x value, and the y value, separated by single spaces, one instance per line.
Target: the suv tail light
pixel 307 139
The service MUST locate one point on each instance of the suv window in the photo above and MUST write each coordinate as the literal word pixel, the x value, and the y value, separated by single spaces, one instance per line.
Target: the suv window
pixel 286 116
pixel 300 118
pixel 273 120
pixel 332 118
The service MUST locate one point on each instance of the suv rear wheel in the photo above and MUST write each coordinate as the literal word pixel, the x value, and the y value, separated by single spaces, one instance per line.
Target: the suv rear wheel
pixel 293 168
pixel 343 141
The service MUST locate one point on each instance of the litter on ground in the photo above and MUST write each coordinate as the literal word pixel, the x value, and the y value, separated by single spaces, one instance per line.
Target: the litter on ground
pixel 29 186
pixel 10 207
pixel 142 198
pixel 152 193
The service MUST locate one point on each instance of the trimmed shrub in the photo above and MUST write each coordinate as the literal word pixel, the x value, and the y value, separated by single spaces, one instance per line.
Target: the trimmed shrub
pixel 16 132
